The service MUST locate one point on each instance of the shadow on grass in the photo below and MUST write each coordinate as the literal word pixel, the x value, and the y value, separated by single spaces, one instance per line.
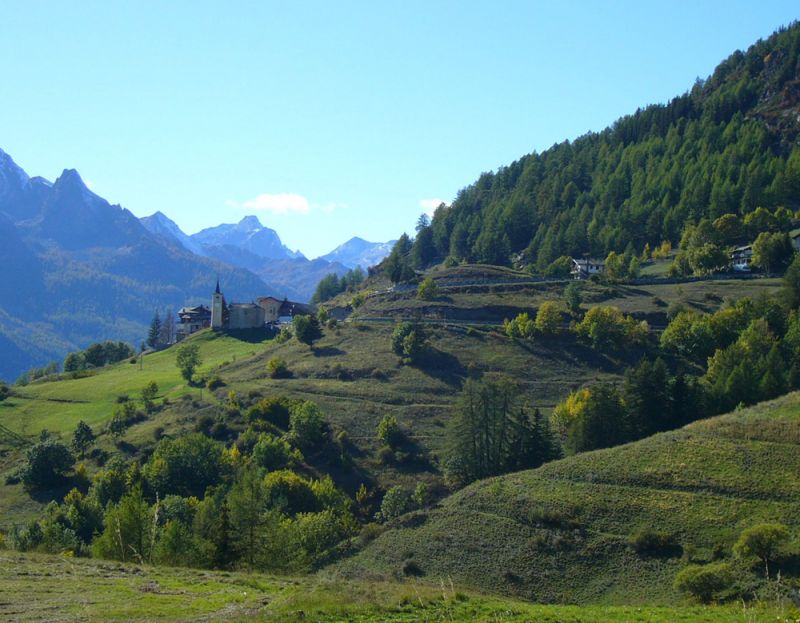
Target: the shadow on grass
pixel 328 351
pixel 251 336
pixel 443 366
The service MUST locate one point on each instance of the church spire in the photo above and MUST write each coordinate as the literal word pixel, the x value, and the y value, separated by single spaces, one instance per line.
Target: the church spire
pixel 217 290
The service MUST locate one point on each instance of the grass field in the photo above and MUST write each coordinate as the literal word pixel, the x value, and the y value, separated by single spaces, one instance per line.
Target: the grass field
pixel 58 406
pixel 561 532
pixel 35 588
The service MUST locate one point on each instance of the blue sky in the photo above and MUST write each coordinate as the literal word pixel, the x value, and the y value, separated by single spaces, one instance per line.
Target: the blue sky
pixel 334 119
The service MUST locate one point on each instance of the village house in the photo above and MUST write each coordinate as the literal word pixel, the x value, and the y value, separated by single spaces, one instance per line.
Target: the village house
pixel 585 268
pixel 742 258
pixel 191 320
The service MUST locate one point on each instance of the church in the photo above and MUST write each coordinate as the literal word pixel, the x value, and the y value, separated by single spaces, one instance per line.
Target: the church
pixel 265 311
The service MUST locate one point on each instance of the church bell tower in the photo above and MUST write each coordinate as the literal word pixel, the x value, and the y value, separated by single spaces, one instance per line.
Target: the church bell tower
pixel 217 307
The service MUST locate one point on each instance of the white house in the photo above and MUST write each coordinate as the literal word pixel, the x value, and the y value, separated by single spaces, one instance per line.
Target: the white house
pixel 583 269
pixel 742 258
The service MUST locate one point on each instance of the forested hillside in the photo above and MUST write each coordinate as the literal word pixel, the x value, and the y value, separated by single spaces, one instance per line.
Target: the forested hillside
pixel 727 146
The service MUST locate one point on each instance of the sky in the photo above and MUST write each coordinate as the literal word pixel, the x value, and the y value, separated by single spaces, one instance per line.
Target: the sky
pixel 329 120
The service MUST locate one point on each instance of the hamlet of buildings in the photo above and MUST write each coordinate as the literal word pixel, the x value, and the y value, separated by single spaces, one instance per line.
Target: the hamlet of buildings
pixel 265 311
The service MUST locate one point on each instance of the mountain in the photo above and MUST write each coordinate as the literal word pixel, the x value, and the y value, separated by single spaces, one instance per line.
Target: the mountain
pixel 728 145
pixel 359 252
pixel 249 245
pixel 75 269
pixel 248 234
pixel 161 225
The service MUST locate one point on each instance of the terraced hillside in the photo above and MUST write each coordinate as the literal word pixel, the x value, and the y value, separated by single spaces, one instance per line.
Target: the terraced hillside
pixel 351 373
pixel 474 293
pixel 561 533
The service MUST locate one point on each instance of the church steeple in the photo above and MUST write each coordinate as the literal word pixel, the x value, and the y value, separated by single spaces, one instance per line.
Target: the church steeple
pixel 217 290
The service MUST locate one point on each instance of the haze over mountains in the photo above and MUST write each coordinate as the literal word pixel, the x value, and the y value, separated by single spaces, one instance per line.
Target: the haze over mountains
pixel 75 269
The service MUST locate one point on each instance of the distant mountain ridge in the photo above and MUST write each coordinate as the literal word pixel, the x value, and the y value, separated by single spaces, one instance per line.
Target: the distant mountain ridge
pixel 75 269
pixel 358 252
pixel 249 245
pixel 248 234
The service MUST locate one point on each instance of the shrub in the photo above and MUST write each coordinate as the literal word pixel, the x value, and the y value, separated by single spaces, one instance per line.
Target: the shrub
pixel 548 318
pixel 411 568
pixel 47 463
pixel 308 426
pixel 284 335
pixel 188 360
pixel 522 327
pixel 185 466
pixel 607 328
pixel 5 392
pixel 764 542
pixel 427 290
pixel 215 382
pixel 654 543
pixel 122 416
pixel 395 503
pixel 271 452
pixel 290 493
pixel 389 432
pixel 277 368
pixel 272 409
pixel 705 582
pixel 306 329
pixel 369 532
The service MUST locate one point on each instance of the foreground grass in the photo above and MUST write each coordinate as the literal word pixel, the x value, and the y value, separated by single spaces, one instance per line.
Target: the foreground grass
pixel 60 589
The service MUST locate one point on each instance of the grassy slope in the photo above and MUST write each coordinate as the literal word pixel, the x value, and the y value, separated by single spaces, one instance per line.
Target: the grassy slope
pixel 59 590
pixel 351 373
pixel 560 533
pixel 58 406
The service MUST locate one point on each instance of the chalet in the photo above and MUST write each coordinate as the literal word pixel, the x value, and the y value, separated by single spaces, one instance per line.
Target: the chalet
pixel 191 320
pixel 585 268
pixel 742 258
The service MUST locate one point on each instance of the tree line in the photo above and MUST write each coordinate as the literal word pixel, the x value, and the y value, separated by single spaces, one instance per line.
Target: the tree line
pixel 706 154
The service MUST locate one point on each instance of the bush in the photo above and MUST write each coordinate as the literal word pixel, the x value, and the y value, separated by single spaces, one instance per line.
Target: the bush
pixel 185 466
pixel 705 582
pixel 272 409
pixel 607 328
pixel 411 568
pixel 306 329
pixel 764 542
pixel 654 543
pixel 271 452
pixel 389 432
pixel 188 360
pixel 427 290
pixel 548 318
pixel 395 503
pixel 522 327
pixel 47 464
pixel 5 392
pixel 215 382
pixel 308 426
pixel 277 368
